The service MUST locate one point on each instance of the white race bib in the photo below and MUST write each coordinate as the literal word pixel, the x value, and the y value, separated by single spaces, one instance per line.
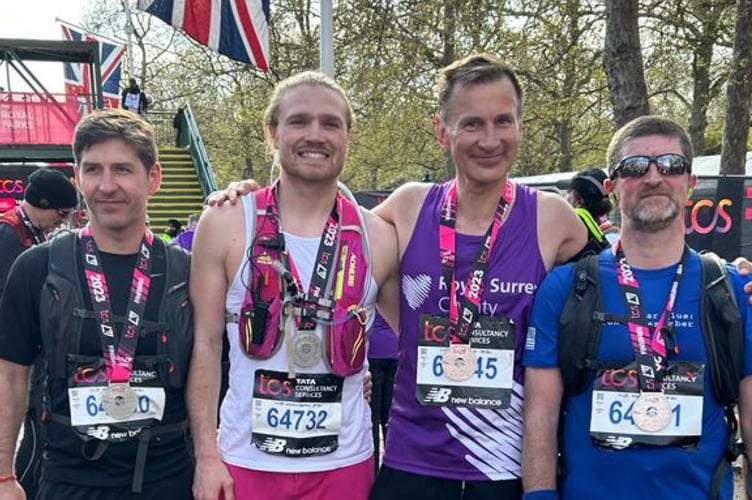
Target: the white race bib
pixel 296 419
pixel 131 101
pixel 612 414
pixel 494 368
pixel 86 405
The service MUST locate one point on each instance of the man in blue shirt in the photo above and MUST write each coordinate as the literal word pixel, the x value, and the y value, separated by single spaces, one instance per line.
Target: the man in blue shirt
pixel 649 424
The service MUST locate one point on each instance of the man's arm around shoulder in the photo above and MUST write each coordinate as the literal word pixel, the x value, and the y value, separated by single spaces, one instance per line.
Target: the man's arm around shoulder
pixel 404 204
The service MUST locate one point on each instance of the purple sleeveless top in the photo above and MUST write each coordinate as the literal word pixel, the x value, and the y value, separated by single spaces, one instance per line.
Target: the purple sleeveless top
pixel 461 443
pixel 382 341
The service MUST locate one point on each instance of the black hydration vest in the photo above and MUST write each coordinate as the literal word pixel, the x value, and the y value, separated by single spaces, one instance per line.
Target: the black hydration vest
pixel 62 313
pixel 582 319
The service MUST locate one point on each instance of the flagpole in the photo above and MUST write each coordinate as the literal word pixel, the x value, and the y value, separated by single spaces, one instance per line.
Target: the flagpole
pixel 326 52
pixel 129 34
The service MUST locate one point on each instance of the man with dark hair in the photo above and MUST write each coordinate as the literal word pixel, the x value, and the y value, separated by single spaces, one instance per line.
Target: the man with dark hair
pixel 472 252
pixel 107 308
pixel 173 230
pixel 49 198
pixel 649 397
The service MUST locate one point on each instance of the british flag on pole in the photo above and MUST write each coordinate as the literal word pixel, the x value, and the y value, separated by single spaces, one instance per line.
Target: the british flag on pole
pixel 238 29
pixel 77 78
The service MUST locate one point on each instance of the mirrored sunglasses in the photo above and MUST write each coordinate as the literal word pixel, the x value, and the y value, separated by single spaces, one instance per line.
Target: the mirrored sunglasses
pixel 637 166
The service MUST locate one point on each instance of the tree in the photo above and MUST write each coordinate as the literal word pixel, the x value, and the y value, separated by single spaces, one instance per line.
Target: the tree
pixel 738 90
pixel 622 59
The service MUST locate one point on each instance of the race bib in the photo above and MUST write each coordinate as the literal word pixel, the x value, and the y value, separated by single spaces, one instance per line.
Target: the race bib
pixel 86 406
pixel 131 101
pixel 486 383
pixel 612 422
pixel 298 417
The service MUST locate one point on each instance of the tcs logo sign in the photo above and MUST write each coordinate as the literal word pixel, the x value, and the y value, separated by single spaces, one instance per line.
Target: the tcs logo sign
pixel 270 386
pixel 11 186
pixel 704 215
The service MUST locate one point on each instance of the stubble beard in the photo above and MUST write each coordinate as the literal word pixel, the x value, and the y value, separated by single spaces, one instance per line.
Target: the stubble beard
pixel 651 219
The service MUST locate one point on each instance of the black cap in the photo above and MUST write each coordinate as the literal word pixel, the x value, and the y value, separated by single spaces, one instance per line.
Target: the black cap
pixel 50 188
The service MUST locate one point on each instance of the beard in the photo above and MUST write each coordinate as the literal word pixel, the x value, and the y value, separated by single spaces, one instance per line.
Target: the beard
pixel 652 219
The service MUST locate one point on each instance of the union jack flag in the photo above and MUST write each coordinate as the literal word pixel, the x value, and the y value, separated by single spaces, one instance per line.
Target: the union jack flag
pixel 238 29
pixel 77 79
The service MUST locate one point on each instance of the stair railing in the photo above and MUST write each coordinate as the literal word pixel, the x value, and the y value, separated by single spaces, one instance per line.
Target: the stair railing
pixel 189 135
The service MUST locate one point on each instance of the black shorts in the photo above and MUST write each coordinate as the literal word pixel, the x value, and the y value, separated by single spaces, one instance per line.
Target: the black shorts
pixel 394 484
pixel 177 487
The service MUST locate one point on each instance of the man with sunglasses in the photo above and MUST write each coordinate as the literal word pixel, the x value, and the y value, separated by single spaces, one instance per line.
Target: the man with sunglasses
pixel 649 422
pixel 49 198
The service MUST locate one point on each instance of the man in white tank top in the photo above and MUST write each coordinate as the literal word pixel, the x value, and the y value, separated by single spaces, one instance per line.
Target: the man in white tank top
pixel 294 421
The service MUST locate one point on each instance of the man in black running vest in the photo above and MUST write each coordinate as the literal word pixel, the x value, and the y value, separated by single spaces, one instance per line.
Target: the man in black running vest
pixel 107 308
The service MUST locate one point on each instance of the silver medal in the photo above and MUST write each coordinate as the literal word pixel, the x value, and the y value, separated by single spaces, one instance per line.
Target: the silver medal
pixel 651 412
pixel 307 348
pixel 119 401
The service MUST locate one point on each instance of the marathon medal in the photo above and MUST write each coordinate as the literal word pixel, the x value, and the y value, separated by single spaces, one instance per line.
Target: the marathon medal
pixel 459 362
pixel 459 359
pixel 307 350
pixel 651 412
pixel 304 349
pixel 119 401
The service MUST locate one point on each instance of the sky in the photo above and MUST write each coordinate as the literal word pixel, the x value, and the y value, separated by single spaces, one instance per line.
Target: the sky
pixel 35 19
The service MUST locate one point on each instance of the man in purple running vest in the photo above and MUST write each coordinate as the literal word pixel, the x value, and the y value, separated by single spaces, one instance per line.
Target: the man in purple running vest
pixel 472 252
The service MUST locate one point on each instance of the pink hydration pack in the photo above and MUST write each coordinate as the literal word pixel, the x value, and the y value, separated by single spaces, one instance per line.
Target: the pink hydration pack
pixel 260 323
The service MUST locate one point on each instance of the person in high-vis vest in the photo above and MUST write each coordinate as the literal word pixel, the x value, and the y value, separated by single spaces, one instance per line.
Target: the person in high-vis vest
pixel 107 308
pixel 293 274
pixel 593 205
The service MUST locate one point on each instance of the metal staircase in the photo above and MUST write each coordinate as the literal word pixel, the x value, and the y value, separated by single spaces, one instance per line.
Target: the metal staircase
pixel 180 194
pixel 187 176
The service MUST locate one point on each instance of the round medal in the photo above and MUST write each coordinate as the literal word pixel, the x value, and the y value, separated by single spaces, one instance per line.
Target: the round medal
pixel 459 362
pixel 307 348
pixel 651 412
pixel 119 401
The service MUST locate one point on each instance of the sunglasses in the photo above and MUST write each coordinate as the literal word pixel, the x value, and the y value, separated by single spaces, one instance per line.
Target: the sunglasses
pixel 637 166
pixel 64 212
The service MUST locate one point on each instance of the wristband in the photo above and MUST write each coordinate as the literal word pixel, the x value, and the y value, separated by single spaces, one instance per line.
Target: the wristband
pixel 9 477
pixel 541 495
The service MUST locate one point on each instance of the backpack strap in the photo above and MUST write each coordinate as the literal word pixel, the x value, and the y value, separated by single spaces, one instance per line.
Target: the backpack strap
pixel 722 333
pixel 580 327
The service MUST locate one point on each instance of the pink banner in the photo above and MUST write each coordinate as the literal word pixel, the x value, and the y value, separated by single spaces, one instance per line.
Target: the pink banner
pixel 29 118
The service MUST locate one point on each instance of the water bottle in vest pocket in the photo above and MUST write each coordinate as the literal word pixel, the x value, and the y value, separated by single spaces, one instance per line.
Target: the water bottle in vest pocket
pixel 345 342
pixel 259 327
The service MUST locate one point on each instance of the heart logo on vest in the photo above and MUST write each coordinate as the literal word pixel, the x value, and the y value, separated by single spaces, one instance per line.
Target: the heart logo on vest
pixel 416 289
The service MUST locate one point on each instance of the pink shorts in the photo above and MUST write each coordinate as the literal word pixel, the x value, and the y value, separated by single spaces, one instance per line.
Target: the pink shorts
pixel 348 483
